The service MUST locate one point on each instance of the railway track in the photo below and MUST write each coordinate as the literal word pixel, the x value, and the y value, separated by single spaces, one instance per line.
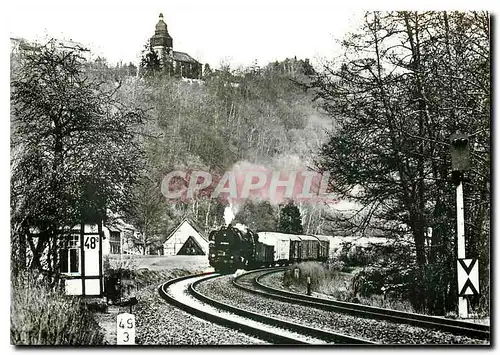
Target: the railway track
pixel 182 293
pixel 252 282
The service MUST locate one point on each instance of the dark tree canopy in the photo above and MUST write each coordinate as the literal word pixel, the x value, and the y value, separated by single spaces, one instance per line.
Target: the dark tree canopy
pixel 74 152
pixel 150 62
pixel 407 81
pixel 258 216
pixel 290 220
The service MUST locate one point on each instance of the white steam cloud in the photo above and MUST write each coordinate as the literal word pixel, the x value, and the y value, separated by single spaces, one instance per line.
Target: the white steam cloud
pixel 228 215
pixel 241 227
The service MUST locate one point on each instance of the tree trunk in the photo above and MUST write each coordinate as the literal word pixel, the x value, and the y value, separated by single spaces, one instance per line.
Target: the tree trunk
pixel 207 214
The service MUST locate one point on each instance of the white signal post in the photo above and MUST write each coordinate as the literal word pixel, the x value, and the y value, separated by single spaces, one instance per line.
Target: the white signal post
pixel 462 301
pixel 460 163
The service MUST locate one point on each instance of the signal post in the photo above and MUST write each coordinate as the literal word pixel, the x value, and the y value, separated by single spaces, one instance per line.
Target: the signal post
pixel 467 269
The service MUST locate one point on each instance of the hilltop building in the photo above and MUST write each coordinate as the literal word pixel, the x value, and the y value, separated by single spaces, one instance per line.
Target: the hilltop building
pixel 176 63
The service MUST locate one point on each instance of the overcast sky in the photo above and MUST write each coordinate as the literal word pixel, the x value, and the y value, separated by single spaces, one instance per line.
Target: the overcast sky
pixel 212 31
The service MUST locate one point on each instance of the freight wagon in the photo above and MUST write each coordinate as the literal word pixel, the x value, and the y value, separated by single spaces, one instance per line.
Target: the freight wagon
pixel 309 248
pixel 232 248
pixel 292 248
pixel 324 247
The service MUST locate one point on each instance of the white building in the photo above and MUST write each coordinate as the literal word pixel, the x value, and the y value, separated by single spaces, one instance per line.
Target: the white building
pixel 186 239
pixel 81 253
pixel 80 260
pixel 119 238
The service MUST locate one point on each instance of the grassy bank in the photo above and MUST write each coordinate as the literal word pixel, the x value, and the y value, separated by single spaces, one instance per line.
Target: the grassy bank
pixel 328 280
pixel 43 316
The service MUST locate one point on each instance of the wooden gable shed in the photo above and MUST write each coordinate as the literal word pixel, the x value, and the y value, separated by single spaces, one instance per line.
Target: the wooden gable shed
pixel 186 239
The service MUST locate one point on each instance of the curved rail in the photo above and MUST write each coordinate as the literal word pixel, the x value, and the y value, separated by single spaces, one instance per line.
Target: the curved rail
pixel 453 326
pixel 251 330
pixel 262 334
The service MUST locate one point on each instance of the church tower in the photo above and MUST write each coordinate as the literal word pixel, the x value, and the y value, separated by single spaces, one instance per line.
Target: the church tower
pixel 161 43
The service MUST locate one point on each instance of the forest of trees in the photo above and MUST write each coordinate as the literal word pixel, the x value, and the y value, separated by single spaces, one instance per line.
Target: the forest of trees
pixel 88 138
pixel 249 116
pixel 156 124
pixel 74 151
pixel 406 82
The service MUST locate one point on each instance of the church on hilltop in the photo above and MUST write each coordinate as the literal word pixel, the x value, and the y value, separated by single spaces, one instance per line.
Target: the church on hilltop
pixel 176 63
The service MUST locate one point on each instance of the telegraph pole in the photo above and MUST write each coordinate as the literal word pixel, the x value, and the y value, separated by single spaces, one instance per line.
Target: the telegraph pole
pixel 460 162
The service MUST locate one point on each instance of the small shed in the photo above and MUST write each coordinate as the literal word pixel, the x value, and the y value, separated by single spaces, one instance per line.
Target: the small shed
pixel 186 239
pixel 80 260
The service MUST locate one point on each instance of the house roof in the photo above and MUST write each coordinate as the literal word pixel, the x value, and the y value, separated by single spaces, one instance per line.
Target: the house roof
pixel 184 57
pixel 192 224
pixel 70 44
pixel 119 225
pixel 307 237
pixel 322 237
pixel 112 228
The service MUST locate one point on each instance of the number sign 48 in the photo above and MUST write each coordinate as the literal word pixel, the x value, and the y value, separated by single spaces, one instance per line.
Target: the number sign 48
pixel 91 242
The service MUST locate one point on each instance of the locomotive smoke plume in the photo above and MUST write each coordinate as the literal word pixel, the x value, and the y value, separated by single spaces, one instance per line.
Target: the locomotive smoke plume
pixel 241 227
pixel 286 179
pixel 228 215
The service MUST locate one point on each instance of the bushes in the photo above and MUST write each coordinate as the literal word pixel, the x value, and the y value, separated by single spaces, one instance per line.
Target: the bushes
pixel 325 279
pixel 380 287
pixel 307 269
pixel 353 255
pixel 42 316
pixel 376 280
pixel 430 289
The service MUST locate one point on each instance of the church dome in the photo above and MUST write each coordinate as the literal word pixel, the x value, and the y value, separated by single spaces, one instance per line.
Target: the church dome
pixel 161 37
pixel 161 27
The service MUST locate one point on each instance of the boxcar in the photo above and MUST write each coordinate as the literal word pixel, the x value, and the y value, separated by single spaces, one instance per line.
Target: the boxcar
pixel 295 249
pixel 310 247
pixel 281 244
pixel 259 254
pixel 269 258
pixel 324 247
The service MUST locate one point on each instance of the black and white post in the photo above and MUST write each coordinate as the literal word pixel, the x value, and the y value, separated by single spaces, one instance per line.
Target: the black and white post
pixel 460 162
pixel 462 300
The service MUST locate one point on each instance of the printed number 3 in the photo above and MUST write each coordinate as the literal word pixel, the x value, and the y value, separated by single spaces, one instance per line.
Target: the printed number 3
pixel 126 339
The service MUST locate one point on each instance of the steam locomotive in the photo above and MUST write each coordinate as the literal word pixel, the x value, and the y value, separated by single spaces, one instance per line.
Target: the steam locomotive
pixel 237 247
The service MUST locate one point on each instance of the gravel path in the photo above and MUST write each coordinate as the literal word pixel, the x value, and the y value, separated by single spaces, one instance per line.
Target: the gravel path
pixel 375 330
pixel 158 323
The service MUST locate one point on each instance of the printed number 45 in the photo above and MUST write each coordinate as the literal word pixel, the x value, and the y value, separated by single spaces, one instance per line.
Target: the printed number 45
pixel 90 242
